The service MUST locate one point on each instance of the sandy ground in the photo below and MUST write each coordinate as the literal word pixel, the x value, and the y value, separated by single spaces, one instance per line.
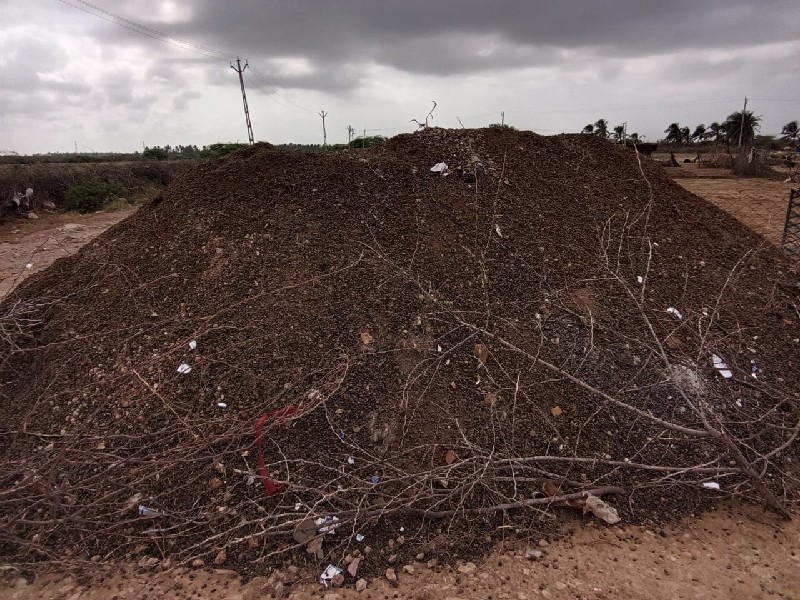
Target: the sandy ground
pixel 727 554
pixel 738 553
pixel 28 246
pixel 760 204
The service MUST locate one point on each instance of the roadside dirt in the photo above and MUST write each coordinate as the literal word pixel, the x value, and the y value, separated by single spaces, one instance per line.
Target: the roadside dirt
pixel 758 203
pixel 741 553
pixel 28 246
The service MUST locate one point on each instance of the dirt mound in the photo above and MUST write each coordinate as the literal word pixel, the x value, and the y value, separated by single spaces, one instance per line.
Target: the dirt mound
pixel 283 337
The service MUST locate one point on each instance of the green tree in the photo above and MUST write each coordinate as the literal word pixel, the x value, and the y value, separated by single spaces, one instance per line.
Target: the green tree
pixel 619 131
pixel 789 131
pixel 634 138
pixel 673 134
pixel 686 136
pixel 699 134
pixel 747 124
pixel 601 128
pixel 588 129
pixel 716 132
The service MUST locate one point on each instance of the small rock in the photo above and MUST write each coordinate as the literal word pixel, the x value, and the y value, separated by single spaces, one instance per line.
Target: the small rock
pixel 280 589
pixel 434 562
pixel 148 561
pixel 361 585
pixel 332 596
pixel 420 556
pixel 367 550
pixel 198 562
pixel 531 554
pixel 215 483
pixel 401 540
pixel 20 582
pixel 220 558
pixel 348 559
pixel 337 580
pixel 467 568
pixel 352 568
pixel 560 585
pixel 392 559
pixel 48 205
pixel 543 543
pixel 409 569
pixel 95 558
pixel 33 215
pixel 391 576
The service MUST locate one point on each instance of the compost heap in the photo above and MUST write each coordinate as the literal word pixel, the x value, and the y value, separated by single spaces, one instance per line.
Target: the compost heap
pixel 434 352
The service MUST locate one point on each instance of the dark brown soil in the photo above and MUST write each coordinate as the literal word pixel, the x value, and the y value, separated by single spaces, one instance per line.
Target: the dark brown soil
pixel 356 288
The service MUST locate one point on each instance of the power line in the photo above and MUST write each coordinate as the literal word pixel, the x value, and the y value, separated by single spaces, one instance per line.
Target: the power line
pixel 206 51
pixel 121 21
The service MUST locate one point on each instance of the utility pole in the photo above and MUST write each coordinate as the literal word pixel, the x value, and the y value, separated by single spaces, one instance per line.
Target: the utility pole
pixel 502 118
pixel 323 114
pixel 240 69
pixel 741 127
pixel 364 139
pixel 350 133
pixel 76 147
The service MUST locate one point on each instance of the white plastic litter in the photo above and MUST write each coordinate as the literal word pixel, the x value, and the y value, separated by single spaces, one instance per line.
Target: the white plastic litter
pixel 359 537
pixel 327 524
pixel 328 574
pixel 640 279
pixel 222 405
pixel 29 266
pixel 183 369
pixel 674 312
pixel 351 460
pixel 146 511
pixel 440 168
pixel 711 485
pixel 721 366
pixel 192 344
pixel 497 230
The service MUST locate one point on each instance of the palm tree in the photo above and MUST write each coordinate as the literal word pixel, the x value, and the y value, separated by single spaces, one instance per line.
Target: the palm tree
pixel 716 131
pixel 686 136
pixel 588 129
pixel 673 134
pixel 746 123
pixel 699 133
pixel 619 131
pixel 634 138
pixel 601 128
pixel 789 131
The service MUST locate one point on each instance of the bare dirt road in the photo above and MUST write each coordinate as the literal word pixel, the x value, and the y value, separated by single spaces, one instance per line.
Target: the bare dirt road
pixel 739 553
pixel 28 246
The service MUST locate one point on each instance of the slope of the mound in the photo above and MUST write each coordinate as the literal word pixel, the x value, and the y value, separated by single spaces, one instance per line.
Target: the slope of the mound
pixel 450 344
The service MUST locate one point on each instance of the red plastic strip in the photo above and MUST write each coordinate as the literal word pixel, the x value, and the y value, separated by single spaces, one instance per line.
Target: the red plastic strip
pixel 279 417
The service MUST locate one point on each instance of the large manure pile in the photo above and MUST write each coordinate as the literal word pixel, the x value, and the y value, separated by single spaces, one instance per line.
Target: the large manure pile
pixel 445 354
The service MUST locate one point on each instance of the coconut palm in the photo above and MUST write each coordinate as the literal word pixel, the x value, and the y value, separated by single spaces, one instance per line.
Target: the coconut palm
pixel 601 128
pixel 619 131
pixel 699 133
pixel 716 132
pixel 634 138
pixel 789 131
pixel 673 134
pixel 588 129
pixel 747 124
pixel 686 136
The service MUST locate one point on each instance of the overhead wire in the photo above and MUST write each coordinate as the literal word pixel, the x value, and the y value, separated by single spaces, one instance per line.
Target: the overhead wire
pixel 207 51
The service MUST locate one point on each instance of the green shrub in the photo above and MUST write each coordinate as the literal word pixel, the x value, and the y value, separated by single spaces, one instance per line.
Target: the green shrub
pixel 92 195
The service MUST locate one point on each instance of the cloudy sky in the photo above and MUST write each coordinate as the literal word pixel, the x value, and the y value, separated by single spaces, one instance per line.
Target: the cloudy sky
pixel 70 73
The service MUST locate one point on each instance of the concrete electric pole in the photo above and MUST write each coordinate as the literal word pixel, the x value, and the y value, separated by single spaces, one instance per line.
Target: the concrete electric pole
pixel 240 69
